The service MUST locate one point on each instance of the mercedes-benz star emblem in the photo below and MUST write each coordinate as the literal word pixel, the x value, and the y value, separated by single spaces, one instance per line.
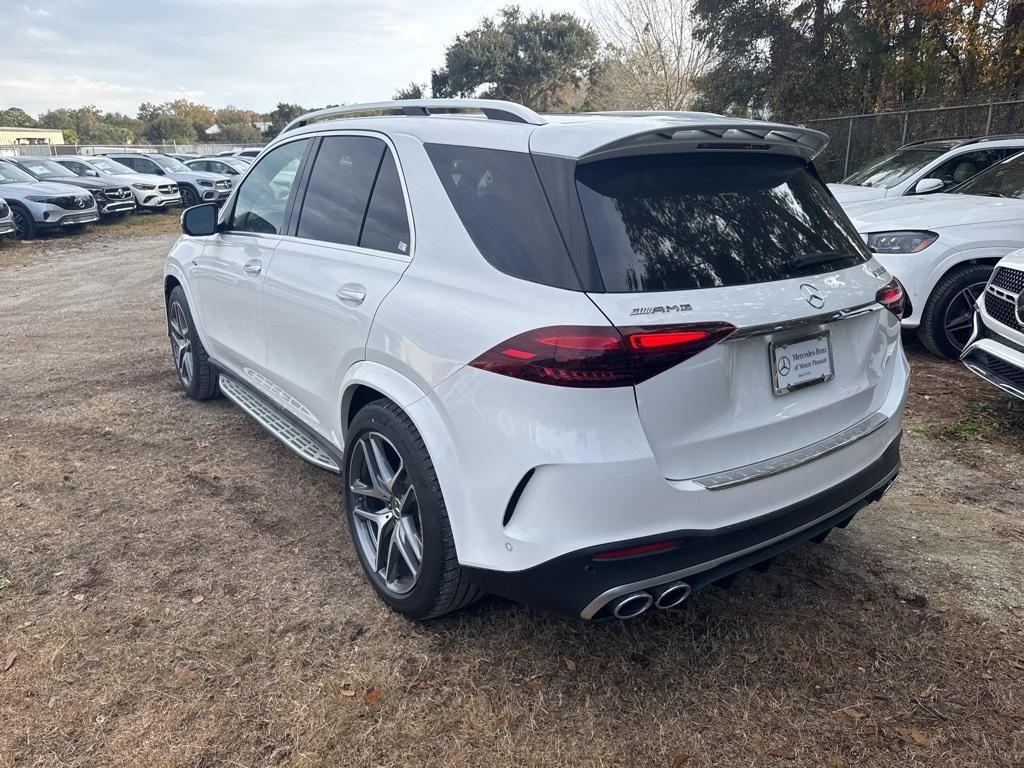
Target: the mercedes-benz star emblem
pixel 812 295
pixel 783 366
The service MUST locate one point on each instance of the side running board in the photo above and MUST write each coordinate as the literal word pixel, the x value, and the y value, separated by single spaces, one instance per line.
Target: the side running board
pixel 278 424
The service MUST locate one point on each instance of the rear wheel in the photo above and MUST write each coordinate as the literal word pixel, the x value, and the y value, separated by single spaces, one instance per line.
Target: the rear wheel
pixel 195 373
pixel 24 225
pixel 397 516
pixel 948 317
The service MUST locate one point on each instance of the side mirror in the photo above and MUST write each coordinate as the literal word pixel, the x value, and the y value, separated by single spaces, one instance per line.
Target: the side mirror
pixel 200 220
pixel 924 186
pixel 91 172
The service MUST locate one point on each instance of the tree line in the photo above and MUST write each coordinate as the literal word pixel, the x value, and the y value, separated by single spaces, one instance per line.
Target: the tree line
pixel 781 59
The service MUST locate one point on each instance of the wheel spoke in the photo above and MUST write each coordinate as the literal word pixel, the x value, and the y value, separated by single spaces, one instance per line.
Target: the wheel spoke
pixel 385 472
pixel 370 464
pixel 362 489
pixel 412 543
pixel 384 543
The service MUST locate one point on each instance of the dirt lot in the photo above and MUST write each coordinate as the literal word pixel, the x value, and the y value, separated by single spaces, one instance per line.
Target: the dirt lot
pixel 176 589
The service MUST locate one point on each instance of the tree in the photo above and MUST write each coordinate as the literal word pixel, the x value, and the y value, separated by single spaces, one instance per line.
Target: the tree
pixel 655 61
pixel 171 129
pixel 538 60
pixel 15 117
pixel 282 115
pixel 411 91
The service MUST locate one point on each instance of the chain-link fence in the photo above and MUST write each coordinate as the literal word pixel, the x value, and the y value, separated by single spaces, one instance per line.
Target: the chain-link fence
pixel 51 150
pixel 858 139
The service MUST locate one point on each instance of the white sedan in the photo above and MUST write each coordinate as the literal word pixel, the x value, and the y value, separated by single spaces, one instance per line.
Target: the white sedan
pixel 944 246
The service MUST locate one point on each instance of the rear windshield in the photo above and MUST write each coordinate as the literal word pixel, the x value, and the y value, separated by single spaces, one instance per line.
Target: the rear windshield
pixel 697 220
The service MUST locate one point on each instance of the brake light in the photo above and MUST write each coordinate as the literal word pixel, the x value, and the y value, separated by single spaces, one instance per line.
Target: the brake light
pixel 892 297
pixel 599 356
pixel 640 549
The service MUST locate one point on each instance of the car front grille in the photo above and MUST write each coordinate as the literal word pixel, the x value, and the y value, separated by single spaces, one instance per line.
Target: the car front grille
pixel 168 189
pixel 1009 279
pixel 117 193
pixel 73 203
pixel 223 184
pixel 1003 311
pixel 1000 368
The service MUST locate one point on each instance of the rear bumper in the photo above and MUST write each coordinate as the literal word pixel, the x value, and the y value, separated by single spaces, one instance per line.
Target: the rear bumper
pixel 579 585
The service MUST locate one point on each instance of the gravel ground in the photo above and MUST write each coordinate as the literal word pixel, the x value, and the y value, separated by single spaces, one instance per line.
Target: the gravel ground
pixel 177 589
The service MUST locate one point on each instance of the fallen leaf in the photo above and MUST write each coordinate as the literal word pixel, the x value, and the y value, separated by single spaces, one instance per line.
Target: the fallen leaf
pixel 348 690
pixel 533 683
pixel 8 661
pixel 849 716
pixel 371 697
pixel 180 670
pixel 680 760
pixel 756 738
pixel 570 665
pixel 787 753
pixel 921 738
pixel 79 597
pixel 838 761
pixel 197 599
pixel 750 658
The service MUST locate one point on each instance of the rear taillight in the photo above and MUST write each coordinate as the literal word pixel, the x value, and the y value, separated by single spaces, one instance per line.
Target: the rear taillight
pixel 892 297
pixel 599 356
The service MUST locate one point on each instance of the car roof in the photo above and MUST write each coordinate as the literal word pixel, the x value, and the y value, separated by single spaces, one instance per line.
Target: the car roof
pixel 505 125
pixel 953 142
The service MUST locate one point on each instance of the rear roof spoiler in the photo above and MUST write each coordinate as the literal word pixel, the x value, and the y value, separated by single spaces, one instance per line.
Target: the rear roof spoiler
pixel 600 138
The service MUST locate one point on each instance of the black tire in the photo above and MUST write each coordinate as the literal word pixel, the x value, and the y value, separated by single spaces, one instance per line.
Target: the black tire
pixel 189 197
pixel 201 382
pixel 24 224
pixel 946 321
pixel 442 585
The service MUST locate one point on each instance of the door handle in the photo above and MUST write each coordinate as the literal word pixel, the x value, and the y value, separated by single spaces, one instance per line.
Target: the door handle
pixel 252 267
pixel 352 293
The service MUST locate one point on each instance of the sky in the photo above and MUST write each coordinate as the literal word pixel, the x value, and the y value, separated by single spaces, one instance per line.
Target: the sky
pixel 245 53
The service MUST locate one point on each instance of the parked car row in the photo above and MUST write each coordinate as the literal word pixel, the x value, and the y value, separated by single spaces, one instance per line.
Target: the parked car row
pixel 946 216
pixel 69 192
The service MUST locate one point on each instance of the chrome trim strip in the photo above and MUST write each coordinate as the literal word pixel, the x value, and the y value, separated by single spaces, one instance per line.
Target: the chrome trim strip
pixel 786 461
pixel 803 322
pixel 599 602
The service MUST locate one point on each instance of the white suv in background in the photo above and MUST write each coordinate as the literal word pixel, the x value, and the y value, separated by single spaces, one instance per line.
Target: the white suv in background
pixel 590 362
pixel 996 349
pixel 152 193
pixel 926 166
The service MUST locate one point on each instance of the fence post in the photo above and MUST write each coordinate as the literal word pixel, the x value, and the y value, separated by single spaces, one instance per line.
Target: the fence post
pixel 846 162
pixel 988 121
pixel 906 119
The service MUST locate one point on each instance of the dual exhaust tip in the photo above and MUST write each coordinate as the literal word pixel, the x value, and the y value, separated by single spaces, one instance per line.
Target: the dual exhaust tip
pixel 663 596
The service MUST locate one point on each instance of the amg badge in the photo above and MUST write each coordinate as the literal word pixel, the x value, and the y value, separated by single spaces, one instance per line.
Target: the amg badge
pixel 661 309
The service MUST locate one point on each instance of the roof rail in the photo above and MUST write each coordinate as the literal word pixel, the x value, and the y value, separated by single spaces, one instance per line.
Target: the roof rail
pixel 492 109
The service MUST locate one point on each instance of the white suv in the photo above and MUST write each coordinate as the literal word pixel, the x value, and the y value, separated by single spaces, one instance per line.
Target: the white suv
pixel 996 349
pixel 590 362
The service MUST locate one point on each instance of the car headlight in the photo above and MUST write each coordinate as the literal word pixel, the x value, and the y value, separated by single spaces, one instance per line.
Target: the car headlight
pixel 902 241
pixel 144 187
pixel 205 183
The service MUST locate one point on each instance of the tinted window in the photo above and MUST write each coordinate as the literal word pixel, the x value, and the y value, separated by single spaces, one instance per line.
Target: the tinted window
pixel 959 169
pixel 386 227
pixel 1005 179
pixel 263 196
pixel 676 222
pixel 339 188
pixel 500 202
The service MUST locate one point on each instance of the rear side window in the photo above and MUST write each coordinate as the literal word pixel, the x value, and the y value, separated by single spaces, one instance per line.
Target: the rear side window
pixel 696 220
pixel 387 226
pixel 500 202
pixel 339 189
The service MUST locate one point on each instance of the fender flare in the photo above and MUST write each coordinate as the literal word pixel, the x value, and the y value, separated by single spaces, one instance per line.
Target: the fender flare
pixel 426 417
pixel 172 269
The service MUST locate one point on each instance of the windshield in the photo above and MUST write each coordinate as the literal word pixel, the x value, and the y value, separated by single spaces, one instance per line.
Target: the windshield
pixel 679 222
pixel 891 170
pixel 1005 179
pixel 42 168
pixel 170 164
pixel 11 174
pixel 106 165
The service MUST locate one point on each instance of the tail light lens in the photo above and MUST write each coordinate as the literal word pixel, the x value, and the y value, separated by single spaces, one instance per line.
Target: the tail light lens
pixel 892 297
pixel 599 356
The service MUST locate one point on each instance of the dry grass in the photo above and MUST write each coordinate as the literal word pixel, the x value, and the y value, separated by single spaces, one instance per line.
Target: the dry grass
pixel 896 643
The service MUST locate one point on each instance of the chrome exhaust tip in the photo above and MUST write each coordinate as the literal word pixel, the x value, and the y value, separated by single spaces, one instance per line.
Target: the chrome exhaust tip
pixel 632 605
pixel 672 595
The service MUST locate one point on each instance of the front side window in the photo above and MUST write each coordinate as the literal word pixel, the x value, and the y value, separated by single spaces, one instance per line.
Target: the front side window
pixel 1005 179
pixel 170 164
pixel 339 189
pixel 894 168
pixel 699 220
pixel 106 165
pixel 263 196
pixel 144 165
pixel 966 165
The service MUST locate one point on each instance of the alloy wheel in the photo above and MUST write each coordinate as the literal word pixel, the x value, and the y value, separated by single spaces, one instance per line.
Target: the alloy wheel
pixel 181 344
pixel 386 513
pixel 958 320
pixel 21 224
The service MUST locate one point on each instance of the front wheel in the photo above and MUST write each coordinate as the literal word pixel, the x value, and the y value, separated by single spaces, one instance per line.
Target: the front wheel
pixel 24 225
pixel 397 516
pixel 195 373
pixel 189 197
pixel 948 318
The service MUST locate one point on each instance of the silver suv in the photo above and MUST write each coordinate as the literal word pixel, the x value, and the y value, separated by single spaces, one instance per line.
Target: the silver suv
pixel 39 206
pixel 195 186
